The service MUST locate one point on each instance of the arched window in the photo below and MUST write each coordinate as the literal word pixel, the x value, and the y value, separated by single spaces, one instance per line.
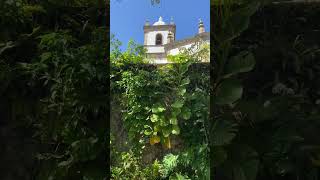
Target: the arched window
pixel 158 39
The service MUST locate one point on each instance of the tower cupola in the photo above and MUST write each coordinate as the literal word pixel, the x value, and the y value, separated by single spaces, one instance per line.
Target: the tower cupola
pixel 158 33
pixel 159 22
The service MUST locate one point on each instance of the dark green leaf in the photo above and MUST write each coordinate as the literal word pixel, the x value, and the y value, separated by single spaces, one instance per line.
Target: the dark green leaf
pixel 223 132
pixel 185 81
pixel 166 132
pixel 178 104
pixel 228 92
pixel 243 62
pixel 239 21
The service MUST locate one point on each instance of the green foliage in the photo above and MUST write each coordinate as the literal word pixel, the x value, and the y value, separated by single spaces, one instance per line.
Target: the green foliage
pixel 262 130
pixel 129 168
pixel 169 162
pixel 134 54
pixel 242 164
pixel 223 132
pixel 227 89
pixel 243 62
pixel 54 85
pixel 52 54
pixel 68 72
pixel 162 103
pixel 188 164
pixel 235 22
pixel 148 115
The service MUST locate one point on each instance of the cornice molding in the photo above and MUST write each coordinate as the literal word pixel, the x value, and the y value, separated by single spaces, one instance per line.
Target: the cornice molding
pixel 171 27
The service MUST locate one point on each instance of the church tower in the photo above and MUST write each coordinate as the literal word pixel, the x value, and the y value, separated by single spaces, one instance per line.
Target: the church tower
pixel 156 36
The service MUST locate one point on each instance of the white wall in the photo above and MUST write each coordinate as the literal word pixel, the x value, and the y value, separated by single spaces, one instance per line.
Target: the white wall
pixel 155 49
pixel 157 58
pixel 151 37
pixel 160 61
pixel 176 51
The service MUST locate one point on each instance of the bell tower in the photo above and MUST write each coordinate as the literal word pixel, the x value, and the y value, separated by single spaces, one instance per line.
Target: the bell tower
pixel 156 36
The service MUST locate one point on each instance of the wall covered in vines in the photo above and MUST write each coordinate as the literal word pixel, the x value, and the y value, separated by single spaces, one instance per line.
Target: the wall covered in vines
pixel 163 114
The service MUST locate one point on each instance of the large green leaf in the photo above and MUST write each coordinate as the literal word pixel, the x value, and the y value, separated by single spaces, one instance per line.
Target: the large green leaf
pixel 173 120
pixel 148 132
pixel 223 132
pixel 166 132
pixel 175 129
pixel 182 91
pixel 176 112
pixel 243 62
pixel 154 118
pixel 185 81
pixel 186 113
pixel 177 104
pixel 163 121
pixel 158 108
pixel 228 92
pixel 238 21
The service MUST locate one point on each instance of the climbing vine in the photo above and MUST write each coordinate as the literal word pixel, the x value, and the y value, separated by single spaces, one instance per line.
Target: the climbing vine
pixel 164 102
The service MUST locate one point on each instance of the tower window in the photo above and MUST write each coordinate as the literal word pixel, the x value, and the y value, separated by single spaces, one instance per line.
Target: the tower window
pixel 158 39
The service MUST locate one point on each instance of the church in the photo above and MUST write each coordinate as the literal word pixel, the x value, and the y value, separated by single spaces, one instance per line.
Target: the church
pixel 160 40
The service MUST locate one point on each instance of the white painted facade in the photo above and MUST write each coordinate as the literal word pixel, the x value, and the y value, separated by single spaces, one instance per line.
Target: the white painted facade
pixel 151 40
pixel 159 40
pixel 176 51
pixel 193 46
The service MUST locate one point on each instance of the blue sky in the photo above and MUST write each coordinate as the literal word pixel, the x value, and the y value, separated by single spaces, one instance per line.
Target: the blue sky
pixel 127 17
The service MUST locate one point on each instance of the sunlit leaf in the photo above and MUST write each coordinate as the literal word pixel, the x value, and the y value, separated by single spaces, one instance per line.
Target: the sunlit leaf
pixel 173 120
pixel 175 129
pixel 178 104
pixel 154 118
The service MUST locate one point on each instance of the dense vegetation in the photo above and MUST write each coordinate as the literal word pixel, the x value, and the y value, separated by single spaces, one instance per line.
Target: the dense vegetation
pixel 53 92
pixel 262 121
pixel 161 105
pixel 272 131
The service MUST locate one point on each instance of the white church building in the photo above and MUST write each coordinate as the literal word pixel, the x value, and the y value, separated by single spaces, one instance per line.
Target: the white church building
pixel 160 40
